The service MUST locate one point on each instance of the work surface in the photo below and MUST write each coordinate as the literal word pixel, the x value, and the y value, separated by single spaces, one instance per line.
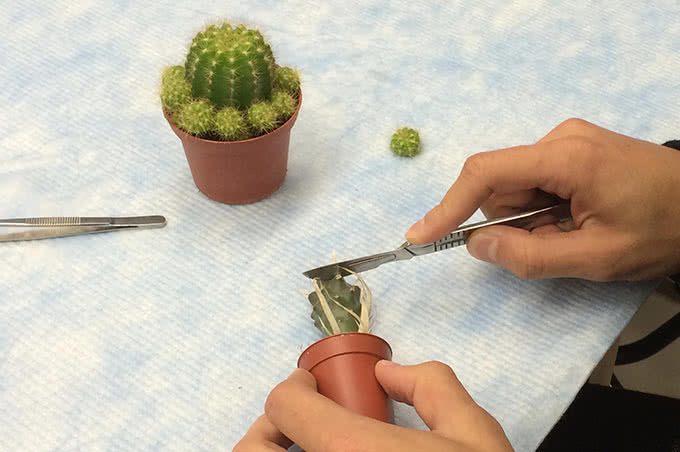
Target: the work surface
pixel 171 339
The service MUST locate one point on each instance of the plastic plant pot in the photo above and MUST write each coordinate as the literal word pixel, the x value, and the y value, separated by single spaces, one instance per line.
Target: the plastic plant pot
pixel 344 368
pixel 238 172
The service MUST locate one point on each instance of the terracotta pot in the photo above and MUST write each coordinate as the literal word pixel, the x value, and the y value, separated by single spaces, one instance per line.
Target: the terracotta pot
pixel 343 366
pixel 238 172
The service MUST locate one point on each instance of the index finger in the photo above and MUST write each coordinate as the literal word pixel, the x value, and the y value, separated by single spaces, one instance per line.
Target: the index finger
pixel 549 166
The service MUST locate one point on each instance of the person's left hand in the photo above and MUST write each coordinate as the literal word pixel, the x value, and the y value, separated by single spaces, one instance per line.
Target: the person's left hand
pixel 295 413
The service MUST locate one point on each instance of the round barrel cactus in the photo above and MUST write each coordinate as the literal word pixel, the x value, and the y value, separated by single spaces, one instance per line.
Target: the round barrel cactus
pixel 232 69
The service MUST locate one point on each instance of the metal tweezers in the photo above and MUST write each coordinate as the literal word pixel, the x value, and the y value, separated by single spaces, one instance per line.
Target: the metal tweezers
pixel 52 227
pixel 526 220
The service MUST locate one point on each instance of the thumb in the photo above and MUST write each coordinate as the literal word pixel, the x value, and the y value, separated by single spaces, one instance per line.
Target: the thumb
pixel 531 254
pixel 442 402
pixel 433 389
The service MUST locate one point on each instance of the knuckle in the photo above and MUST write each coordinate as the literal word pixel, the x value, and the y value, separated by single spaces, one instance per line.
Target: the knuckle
pixel 527 266
pixel 474 165
pixel 275 398
pixel 573 125
pixel 439 369
pixel 578 146
pixel 583 146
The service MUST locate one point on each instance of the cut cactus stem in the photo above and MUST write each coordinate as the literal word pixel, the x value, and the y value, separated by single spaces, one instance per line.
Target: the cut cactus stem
pixel 405 142
pixel 339 307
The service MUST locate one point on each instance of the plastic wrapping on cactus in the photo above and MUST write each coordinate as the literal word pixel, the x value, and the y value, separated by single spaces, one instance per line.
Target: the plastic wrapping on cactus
pixel 344 301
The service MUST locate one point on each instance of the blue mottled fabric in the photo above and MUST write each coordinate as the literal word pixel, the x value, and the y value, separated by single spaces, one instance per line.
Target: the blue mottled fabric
pixel 171 339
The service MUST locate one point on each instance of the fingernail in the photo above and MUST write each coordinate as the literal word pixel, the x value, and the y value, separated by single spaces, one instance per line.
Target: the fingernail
pixel 415 230
pixel 483 246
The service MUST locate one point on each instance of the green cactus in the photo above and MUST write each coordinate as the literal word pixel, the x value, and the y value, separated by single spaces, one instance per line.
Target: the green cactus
pixel 230 66
pixel 340 307
pixel 263 117
pixel 196 117
pixel 229 69
pixel 284 104
pixel 230 124
pixel 405 142
pixel 287 79
pixel 175 91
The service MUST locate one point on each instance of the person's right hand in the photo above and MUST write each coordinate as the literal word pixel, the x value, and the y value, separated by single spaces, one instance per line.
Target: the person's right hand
pixel 625 205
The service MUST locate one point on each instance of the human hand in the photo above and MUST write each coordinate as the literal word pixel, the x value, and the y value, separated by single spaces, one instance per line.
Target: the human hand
pixel 296 413
pixel 625 206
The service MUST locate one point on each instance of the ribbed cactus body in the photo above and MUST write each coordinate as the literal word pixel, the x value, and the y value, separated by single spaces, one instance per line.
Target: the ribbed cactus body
pixel 233 67
pixel 343 299
pixel 230 87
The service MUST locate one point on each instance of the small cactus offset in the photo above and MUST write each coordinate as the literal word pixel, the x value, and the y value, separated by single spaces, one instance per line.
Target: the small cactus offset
pixel 287 79
pixel 263 117
pixel 340 307
pixel 405 142
pixel 284 104
pixel 230 124
pixel 175 90
pixel 196 117
pixel 231 69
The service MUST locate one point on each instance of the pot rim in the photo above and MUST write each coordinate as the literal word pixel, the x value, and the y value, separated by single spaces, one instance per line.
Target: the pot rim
pixel 339 353
pixel 187 135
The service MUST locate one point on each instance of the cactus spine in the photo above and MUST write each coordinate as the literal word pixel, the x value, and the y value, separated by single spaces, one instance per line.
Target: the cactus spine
pixel 230 124
pixel 196 117
pixel 283 103
pixel 263 117
pixel 287 79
